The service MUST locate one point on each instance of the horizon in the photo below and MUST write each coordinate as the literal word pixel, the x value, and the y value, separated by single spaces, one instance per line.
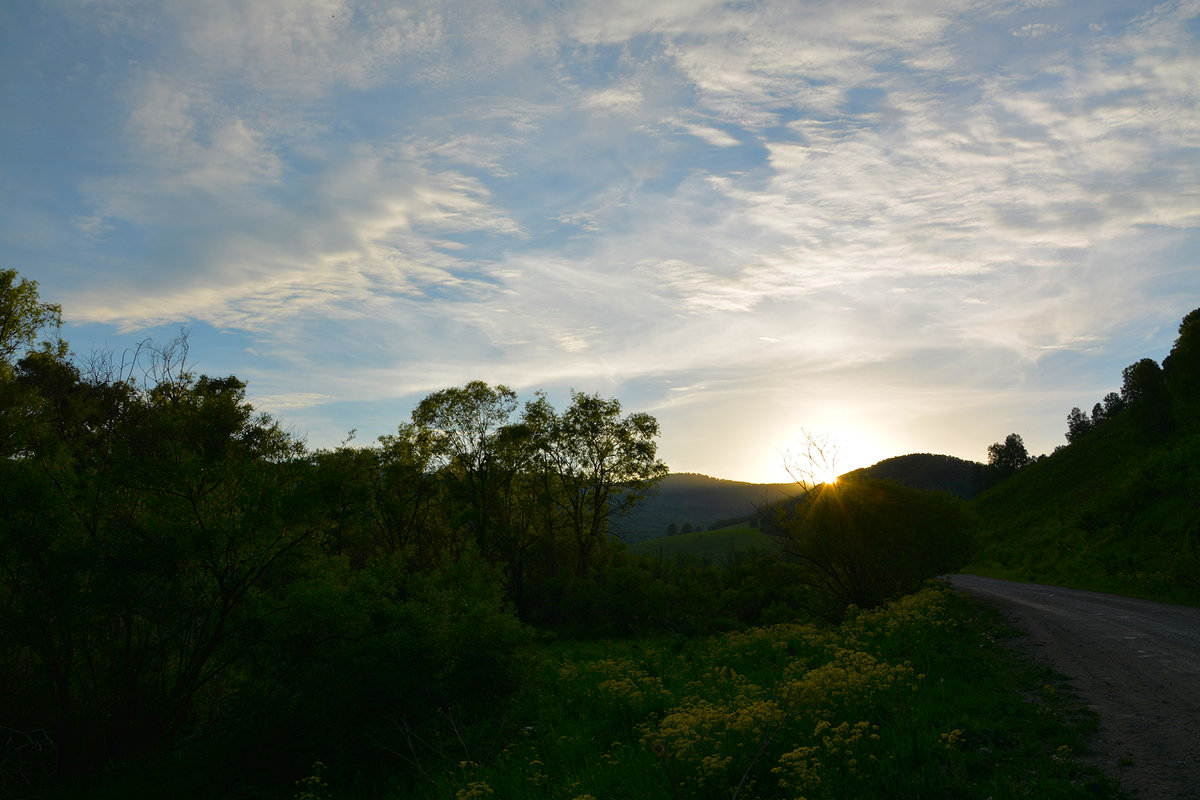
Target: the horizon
pixel 914 228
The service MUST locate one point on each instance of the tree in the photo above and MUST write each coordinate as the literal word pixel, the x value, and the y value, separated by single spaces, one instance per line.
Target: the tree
pixel 1113 405
pixel 1078 425
pixel 146 531
pixel 1182 365
pixel 1142 382
pixel 863 540
pixel 1007 457
pixel 28 328
pixel 597 464
pixel 23 319
pixel 463 427
pixel 1144 390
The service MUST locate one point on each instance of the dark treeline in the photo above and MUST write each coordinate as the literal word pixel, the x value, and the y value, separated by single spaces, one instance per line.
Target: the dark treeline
pixel 182 578
pixel 1157 400
pixel 1161 398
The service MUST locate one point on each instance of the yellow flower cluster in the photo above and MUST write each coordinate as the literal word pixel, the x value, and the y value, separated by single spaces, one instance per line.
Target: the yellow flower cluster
pixel 619 681
pixel 474 791
pixel 920 612
pixel 841 747
pixel 811 716
pixel 954 740
pixel 849 675
pixel 704 734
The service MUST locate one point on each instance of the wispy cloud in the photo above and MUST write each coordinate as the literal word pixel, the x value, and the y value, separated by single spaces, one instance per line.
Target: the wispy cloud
pixel 841 206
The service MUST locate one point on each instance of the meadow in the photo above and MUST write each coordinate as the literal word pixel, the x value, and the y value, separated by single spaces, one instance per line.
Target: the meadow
pixel 710 546
pixel 919 698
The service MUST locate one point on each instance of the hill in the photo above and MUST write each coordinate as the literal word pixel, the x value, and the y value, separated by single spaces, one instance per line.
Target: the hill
pixel 1111 512
pixel 1118 509
pixel 712 546
pixel 930 473
pixel 700 501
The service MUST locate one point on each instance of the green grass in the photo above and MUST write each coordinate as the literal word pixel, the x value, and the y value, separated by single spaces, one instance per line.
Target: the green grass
pixel 919 699
pixel 710 546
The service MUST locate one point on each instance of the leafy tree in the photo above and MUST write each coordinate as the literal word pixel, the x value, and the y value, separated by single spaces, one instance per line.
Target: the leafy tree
pixel 1182 366
pixel 1078 425
pixel 1113 405
pixel 24 318
pixel 863 540
pixel 1144 390
pixel 1142 382
pixel 463 426
pixel 28 328
pixel 597 464
pixel 145 532
pixel 1007 457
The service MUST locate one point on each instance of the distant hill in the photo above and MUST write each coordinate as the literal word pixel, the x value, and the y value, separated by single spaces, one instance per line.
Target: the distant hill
pixel 930 473
pixel 698 500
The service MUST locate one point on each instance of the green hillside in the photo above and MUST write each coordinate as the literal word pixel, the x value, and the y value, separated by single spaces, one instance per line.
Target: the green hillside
pixel 699 501
pixel 713 546
pixel 1107 513
pixel 1118 509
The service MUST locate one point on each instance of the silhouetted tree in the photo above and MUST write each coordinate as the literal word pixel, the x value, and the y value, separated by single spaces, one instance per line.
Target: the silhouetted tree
pixel 1009 456
pixel 463 427
pixel 1182 366
pixel 1144 390
pixel 1113 405
pixel 862 540
pixel 597 464
pixel 1078 425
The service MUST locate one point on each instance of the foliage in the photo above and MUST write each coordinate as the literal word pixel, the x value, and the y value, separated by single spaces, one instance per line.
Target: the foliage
pixel 1006 458
pixel 915 699
pixel 24 318
pixel 864 540
pixel 715 546
pixel 1115 510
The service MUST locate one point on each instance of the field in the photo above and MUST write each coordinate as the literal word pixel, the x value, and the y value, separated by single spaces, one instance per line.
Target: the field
pixel 917 699
pixel 710 546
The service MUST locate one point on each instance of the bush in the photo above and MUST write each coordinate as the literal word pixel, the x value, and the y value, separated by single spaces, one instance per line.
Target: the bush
pixel 864 540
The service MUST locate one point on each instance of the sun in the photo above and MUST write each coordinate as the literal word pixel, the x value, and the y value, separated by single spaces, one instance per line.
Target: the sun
pixel 816 458
pixel 828 477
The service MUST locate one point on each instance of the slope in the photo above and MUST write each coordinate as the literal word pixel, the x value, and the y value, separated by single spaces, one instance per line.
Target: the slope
pixel 1115 511
pixel 698 500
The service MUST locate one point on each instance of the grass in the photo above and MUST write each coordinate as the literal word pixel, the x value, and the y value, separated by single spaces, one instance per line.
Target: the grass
pixel 709 546
pixel 917 699
pixel 1113 512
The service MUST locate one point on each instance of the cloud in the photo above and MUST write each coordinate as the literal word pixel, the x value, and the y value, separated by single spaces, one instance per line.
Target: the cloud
pixel 779 199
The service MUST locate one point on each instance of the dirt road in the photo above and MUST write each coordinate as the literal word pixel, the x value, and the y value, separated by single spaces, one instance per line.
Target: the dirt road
pixel 1135 662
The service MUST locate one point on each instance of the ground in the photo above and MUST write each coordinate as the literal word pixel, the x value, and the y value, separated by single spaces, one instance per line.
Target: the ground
pixel 1135 662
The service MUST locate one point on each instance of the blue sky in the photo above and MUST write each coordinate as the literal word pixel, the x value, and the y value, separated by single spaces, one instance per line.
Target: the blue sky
pixel 908 226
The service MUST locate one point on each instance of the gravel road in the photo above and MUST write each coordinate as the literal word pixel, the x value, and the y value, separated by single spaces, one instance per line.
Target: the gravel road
pixel 1135 662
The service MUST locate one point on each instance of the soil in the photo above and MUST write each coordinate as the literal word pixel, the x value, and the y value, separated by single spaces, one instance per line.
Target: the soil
pixel 1135 662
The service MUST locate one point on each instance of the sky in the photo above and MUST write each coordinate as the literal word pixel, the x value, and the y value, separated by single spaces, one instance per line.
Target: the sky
pixel 907 226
